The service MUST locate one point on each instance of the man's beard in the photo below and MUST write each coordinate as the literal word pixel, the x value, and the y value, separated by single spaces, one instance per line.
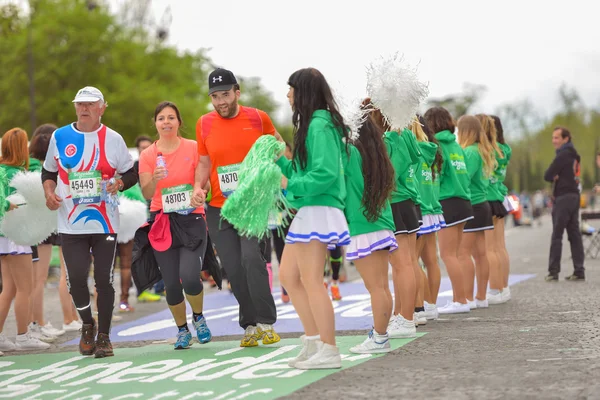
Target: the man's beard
pixel 230 112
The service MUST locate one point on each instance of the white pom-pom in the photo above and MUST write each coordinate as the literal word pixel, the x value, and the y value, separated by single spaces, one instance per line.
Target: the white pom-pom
pixel 32 222
pixel 132 215
pixel 395 89
pixel 350 107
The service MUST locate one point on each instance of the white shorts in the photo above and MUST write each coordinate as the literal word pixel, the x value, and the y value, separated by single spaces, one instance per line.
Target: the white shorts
pixel 431 224
pixel 367 243
pixel 326 224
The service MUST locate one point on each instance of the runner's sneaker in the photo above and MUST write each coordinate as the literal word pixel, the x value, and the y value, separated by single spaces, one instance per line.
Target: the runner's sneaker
pixel 285 298
pixel 87 343
pixel 431 311
pixel 72 326
pixel 327 357
pixel 579 278
pixel 124 307
pixel 551 278
pixel 103 346
pixel 35 331
pixel 400 327
pixel 50 330
pixel 454 308
pixel 481 303
pixel 184 340
pixel 147 297
pixel 335 292
pixel 495 298
pixel 6 344
pixel 375 343
pixel 202 332
pixel 250 338
pixel 506 293
pixel 267 334
pixel 309 348
pixel 27 342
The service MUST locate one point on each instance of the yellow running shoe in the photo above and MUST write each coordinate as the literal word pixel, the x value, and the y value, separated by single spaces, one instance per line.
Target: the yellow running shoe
pixel 147 297
pixel 250 338
pixel 267 334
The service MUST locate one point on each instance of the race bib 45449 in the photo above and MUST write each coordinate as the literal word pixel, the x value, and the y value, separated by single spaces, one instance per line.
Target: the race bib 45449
pixel 85 187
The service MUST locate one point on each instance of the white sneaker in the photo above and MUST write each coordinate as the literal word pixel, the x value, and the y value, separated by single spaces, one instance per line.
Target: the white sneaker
pixel 400 327
pixel 6 344
pixel 309 349
pixel 472 304
pixel 27 342
pixel 494 299
pixel 506 294
pixel 431 311
pixel 48 329
pixel 375 343
pixel 35 331
pixel 481 303
pixel 419 318
pixel 327 357
pixel 73 326
pixel 1 354
pixel 454 308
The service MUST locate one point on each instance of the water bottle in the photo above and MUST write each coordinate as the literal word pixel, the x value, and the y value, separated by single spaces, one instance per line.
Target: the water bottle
pixel 104 194
pixel 161 162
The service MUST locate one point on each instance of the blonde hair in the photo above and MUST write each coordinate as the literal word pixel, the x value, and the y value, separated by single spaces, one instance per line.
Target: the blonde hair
pixel 470 131
pixel 416 128
pixel 489 127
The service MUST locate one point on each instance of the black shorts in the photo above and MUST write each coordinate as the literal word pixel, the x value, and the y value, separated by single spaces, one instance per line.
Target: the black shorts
pixel 419 215
pixel 34 254
pixel 456 211
pixel 498 209
pixel 483 218
pixel 53 239
pixel 405 216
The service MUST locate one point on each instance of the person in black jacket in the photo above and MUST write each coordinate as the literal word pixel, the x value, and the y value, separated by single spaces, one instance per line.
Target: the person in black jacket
pixel 566 188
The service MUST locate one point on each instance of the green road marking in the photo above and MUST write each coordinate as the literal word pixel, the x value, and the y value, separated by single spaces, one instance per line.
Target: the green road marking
pixel 217 370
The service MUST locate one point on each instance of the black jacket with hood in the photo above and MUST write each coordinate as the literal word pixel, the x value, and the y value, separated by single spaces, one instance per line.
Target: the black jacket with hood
pixel 566 166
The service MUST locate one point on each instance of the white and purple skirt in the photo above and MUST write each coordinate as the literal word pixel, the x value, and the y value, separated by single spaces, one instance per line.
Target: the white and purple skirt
pixel 326 224
pixel 431 224
pixel 10 248
pixel 368 243
pixel 508 203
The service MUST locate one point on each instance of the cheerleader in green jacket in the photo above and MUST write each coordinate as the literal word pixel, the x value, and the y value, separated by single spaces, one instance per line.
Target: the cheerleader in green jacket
pixel 370 181
pixel 433 219
pixel 499 203
pixel 455 199
pixel 478 232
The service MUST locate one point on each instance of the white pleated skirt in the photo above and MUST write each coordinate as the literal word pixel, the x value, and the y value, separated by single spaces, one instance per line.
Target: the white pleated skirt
pixel 367 243
pixel 326 224
pixel 431 224
pixel 9 248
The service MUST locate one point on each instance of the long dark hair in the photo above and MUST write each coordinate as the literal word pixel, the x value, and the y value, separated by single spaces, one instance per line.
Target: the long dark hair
pixel 311 93
pixel 377 169
pixel 439 119
pixel 499 130
pixel 40 141
pixel 439 158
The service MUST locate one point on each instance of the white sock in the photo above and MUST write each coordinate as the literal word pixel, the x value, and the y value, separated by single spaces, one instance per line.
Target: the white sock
pixel 494 291
pixel 316 337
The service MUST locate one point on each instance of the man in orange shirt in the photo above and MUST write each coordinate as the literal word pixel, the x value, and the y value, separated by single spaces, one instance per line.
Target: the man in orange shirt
pixel 224 138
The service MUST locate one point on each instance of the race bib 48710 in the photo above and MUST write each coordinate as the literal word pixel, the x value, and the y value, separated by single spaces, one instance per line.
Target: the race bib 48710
pixel 228 178
pixel 85 187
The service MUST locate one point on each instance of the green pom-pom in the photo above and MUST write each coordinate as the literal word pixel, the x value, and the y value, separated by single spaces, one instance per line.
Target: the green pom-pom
pixel 258 195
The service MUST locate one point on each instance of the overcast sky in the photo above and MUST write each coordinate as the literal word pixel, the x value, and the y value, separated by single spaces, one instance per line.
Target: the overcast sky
pixel 518 49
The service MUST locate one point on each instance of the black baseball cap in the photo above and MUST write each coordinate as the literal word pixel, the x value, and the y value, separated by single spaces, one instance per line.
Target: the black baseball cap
pixel 220 79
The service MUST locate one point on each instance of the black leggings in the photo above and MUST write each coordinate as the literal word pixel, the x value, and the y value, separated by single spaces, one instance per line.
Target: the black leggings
pixel 77 257
pixel 180 269
pixel 335 258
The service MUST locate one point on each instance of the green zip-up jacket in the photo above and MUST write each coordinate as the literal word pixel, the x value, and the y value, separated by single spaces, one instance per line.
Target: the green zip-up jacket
pixel 355 183
pixel 35 165
pixel 498 190
pixel 425 177
pixel 454 177
pixel 322 182
pixel 479 182
pixel 437 207
pixel 405 155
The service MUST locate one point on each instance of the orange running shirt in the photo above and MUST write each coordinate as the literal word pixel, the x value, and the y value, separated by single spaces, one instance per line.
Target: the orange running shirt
pixel 181 169
pixel 227 141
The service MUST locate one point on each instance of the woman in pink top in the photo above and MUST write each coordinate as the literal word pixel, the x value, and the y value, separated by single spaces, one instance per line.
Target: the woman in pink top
pixel 178 235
